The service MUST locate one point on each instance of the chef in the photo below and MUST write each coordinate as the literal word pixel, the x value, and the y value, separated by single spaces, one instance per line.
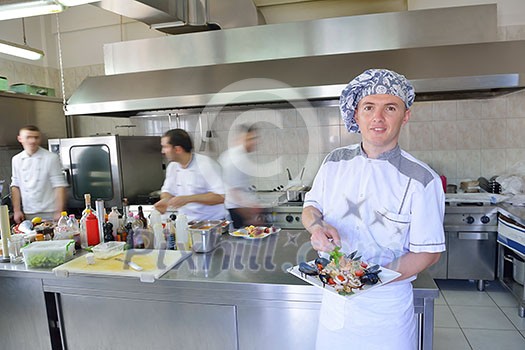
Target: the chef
pixel 241 201
pixel 375 198
pixel 193 183
pixel 38 186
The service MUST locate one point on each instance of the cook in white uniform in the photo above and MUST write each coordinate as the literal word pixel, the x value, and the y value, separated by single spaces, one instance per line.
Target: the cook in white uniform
pixel 38 186
pixel 376 198
pixel 193 183
pixel 241 201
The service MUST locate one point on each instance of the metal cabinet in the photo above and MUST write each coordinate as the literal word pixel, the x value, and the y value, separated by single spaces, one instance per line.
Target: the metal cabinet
pixel 23 314
pixel 94 322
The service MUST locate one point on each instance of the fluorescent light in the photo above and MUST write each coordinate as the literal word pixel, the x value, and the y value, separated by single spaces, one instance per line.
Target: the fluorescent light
pixel 70 3
pixel 29 8
pixel 20 50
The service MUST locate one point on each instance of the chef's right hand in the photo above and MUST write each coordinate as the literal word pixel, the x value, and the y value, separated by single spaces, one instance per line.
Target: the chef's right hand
pixel 324 237
pixel 162 205
pixel 19 216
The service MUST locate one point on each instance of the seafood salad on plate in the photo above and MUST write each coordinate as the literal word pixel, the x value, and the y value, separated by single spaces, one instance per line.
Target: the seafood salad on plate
pixel 345 274
pixel 253 232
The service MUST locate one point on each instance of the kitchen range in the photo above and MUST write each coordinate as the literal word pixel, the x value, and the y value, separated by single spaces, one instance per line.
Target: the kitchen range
pixel 470 234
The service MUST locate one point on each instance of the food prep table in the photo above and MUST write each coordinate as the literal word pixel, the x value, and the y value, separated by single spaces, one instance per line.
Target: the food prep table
pixel 236 297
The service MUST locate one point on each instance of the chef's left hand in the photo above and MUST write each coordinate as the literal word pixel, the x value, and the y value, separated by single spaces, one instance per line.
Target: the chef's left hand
pixel 178 201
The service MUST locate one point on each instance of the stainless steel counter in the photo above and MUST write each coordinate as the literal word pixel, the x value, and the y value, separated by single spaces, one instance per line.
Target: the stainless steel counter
pixel 236 297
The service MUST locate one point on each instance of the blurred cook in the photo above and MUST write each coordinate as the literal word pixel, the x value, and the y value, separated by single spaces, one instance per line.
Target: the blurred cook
pixel 240 200
pixel 38 186
pixel 193 183
pixel 376 198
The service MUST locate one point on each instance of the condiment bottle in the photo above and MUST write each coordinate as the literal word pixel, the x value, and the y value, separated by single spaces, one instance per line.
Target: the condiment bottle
pixel 181 226
pixel 159 241
pixel 113 218
pixel 142 217
pixel 92 231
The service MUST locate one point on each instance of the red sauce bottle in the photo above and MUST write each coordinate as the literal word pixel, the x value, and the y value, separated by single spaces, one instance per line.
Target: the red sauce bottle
pixel 93 237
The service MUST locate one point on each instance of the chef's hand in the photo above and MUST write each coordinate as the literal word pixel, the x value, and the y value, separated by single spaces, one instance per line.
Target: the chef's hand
pixel 178 201
pixel 162 205
pixel 324 236
pixel 19 216
pixel 57 215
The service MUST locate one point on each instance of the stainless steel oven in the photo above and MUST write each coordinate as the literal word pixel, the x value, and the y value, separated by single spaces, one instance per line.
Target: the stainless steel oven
pixel 470 234
pixel 110 168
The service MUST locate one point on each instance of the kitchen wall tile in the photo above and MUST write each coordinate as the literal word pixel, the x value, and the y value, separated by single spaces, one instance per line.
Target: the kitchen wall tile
pixel 421 111
pixel 329 138
pixel 267 118
pixel 311 165
pixel 502 33
pixel 348 138
pixel 267 142
pixel 515 32
pixel 444 110
pixel 516 104
pixel 404 137
pixel 493 133
pixel 328 115
pixel 307 116
pixel 288 117
pixel 424 156
pixel 494 108
pixel 493 162
pixel 445 163
pixel 514 156
pixel 468 109
pixel 444 135
pixel 420 136
pixel 288 141
pixel 191 123
pixel 469 134
pixel 225 119
pixel 270 169
pixel 469 164
pixel 515 136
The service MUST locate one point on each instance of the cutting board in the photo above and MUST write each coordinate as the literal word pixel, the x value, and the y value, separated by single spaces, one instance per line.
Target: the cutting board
pixel 154 264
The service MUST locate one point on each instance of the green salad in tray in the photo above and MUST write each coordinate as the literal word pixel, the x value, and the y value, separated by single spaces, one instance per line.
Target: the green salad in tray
pixel 48 254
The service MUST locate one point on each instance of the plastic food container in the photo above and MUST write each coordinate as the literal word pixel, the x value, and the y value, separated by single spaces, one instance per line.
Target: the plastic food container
pixel 108 249
pixel 205 235
pixel 48 254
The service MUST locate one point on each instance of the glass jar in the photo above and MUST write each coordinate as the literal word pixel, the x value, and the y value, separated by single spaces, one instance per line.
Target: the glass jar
pixel 16 242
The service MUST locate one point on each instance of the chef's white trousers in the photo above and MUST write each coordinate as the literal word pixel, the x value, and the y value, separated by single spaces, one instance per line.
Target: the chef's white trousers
pixel 379 319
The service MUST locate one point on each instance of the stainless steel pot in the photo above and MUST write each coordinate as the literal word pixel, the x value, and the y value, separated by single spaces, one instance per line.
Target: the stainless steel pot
pixel 296 193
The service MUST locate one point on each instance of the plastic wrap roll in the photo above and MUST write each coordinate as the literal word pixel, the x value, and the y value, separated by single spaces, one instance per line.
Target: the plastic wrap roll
pixel 5 230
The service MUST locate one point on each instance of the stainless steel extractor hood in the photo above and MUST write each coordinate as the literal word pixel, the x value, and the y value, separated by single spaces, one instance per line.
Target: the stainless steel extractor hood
pixel 187 16
pixel 445 52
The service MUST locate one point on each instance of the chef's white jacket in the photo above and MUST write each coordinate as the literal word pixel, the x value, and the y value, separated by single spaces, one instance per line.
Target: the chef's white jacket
pixel 37 176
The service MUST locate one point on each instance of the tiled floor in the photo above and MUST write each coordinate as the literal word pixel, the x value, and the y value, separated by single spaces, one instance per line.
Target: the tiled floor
pixel 466 319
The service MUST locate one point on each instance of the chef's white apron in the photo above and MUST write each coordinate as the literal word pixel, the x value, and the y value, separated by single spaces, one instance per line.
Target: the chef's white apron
pixel 380 319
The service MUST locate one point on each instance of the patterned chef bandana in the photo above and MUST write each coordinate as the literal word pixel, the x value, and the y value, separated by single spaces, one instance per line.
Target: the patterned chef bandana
pixel 373 82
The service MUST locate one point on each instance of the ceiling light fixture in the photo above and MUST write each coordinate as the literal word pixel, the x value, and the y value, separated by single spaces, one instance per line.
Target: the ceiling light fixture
pixel 23 51
pixel 70 3
pixel 29 9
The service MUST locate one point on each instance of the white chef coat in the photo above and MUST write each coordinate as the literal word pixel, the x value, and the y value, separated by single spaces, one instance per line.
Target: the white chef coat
pixel 235 164
pixel 383 208
pixel 202 175
pixel 37 176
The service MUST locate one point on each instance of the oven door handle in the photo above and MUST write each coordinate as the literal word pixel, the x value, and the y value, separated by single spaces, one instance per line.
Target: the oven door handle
pixel 473 236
